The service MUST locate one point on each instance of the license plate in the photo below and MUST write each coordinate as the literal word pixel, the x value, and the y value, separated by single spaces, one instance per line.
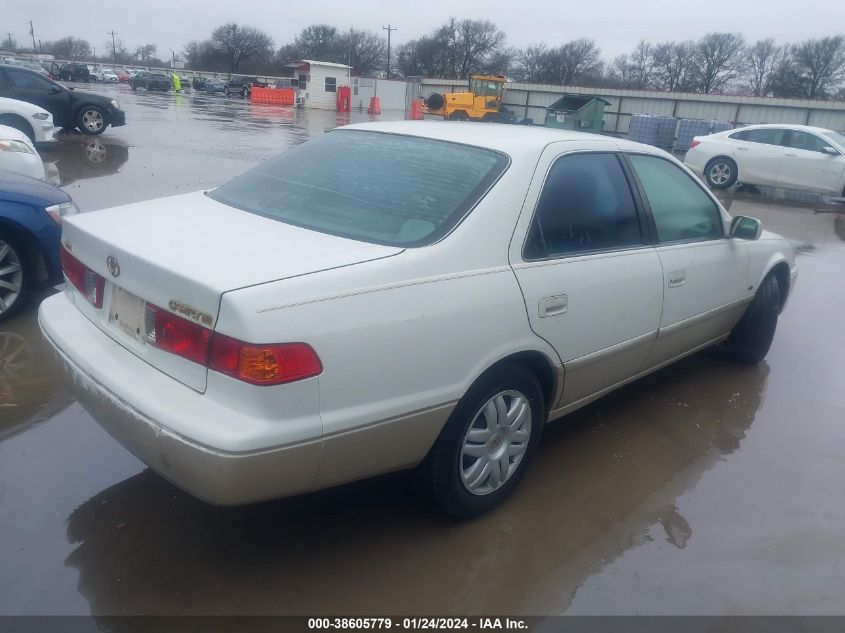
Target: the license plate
pixel 127 314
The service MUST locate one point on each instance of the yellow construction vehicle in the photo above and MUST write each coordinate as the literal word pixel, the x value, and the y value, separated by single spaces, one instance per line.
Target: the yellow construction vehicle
pixel 482 102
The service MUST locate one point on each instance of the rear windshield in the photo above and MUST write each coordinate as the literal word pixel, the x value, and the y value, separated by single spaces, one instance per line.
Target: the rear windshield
pixel 369 186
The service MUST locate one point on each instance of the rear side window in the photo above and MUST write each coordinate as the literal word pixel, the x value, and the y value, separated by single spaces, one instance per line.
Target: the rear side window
pixel 766 136
pixel 586 205
pixel 381 188
pixel 680 207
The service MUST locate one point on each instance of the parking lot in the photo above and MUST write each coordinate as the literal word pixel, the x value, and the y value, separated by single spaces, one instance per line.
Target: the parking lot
pixel 706 488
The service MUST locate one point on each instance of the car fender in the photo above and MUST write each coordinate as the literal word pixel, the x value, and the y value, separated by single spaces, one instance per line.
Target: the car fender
pixel 765 255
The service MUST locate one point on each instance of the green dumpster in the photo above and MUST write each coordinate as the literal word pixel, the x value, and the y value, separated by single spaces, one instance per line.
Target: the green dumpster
pixel 583 113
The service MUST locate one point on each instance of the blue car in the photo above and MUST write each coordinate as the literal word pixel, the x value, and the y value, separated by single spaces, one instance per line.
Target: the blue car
pixel 31 215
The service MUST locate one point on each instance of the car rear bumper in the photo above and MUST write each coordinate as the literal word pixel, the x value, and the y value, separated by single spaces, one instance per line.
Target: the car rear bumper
pixel 218 476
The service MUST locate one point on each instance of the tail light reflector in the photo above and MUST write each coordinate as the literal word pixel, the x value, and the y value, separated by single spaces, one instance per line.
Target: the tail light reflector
pixel 89 283
pixel 263 364
pixel 694 142
pixel 176 335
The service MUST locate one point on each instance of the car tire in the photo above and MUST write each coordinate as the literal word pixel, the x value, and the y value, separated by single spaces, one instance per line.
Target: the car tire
pixel 226 90
pixel 750 340
pixel 720 172
pixel 458 115
pixel 13 261
pixel 462 471
pixel 245 93
pixel 19 124
pixel 91 120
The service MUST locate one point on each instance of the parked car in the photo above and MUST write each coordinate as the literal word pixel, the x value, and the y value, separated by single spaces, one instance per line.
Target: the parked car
pixel 123 77
pixel 150 81
pixel 75 159
pixel 788 156
pixel 18 155
pixel 379 310
pixel 30 119
pixel 209 84
pixel 71 72
pixel 31 213
pixel 242 85
pixel 107 76
pixel 91 113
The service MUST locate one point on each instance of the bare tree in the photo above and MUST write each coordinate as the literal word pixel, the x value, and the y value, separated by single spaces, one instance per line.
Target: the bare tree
pixel 572 61
pixel 674 66
pixel 319 41
pixel 145 53
pixel 68 48
pixel 529 62
pixel 365 51
pixel 719 60
pixel 426 56
pixel 474 44
pixel 820 65
pixel 634 70
pixel 117 51
pixel 236 44
pixel 203 56
pixel 765 61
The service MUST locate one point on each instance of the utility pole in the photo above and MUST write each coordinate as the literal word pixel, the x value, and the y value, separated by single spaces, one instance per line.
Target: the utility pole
pixel 113 46
pixel 173 65
pixel 11 42
pixel 32 33
pixel 388 28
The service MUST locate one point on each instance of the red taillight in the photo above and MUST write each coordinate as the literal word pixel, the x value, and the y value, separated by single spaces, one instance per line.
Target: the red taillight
pixel 256 364
pixel 176 335
pixel 89 283
pixel 694 142
pixel 263 364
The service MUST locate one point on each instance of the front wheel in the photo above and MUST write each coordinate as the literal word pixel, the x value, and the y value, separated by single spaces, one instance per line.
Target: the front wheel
pixel 752 337
pixel 226 90
pixel 13 277
pixel 91 120
pixel 484 450
pixel 720 173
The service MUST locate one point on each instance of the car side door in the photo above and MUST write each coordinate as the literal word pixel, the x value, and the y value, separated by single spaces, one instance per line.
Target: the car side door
pixel 33 88
pixel 591 279
pixel 759 154
pixel 705 272
pixel 807 166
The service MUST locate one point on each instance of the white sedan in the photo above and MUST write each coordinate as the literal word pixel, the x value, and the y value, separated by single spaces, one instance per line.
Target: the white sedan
pixel 398 295
pixel 788 156
pixel 18 155
pixel 30 119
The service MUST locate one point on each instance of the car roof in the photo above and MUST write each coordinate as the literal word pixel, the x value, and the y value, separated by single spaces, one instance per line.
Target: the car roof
pixel 507 138
pixel 783 126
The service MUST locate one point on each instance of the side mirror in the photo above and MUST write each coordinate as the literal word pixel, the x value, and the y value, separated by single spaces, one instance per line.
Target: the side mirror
pixel 827 149
pixel 745 228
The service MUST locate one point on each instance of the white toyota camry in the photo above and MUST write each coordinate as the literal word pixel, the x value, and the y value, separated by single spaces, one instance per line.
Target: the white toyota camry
pixel 398 295
pixel 788 156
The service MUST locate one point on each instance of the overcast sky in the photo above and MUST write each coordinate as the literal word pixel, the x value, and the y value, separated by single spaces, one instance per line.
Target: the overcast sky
pixel 617 25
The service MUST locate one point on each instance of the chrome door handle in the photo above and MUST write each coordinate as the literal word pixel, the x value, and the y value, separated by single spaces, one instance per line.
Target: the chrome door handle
pixel 552 306
pixel 792 155
pixel 677 278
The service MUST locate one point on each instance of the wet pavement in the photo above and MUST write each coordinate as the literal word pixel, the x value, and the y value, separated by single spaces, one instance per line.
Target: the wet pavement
pixel 706 488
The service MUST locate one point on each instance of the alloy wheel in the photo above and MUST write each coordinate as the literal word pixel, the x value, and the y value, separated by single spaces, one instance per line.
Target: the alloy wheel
pixel 93 120
pixel 11 277
pixel 495 442
pixel 719 173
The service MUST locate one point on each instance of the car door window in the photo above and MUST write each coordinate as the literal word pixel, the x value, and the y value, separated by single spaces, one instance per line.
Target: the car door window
pixel 682 210
pixel 586 205
pixel 766 136
pixel 27 81
pixel 805 141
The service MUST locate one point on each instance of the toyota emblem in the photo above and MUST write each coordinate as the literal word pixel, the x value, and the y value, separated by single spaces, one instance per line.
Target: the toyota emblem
pixel 113 266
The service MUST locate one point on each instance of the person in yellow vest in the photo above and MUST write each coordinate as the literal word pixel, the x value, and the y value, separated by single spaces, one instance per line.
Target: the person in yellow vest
pixel 176 82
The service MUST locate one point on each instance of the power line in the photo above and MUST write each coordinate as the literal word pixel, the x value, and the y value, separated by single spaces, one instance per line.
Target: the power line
pixel 388 28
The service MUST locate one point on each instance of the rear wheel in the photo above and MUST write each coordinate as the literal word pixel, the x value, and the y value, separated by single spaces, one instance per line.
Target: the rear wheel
pixel 752 337
pixel 720 172
pixel 13 277
pixel 459 115
pixel 484 450
pixel 91 120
